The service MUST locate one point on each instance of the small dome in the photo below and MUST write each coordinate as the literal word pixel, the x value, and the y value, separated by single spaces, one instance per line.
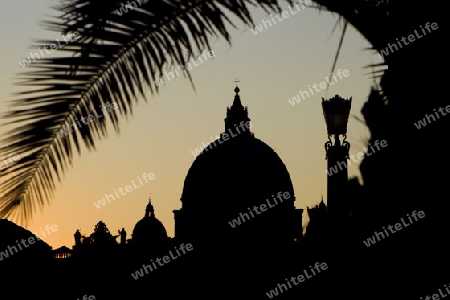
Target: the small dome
pixel 149 231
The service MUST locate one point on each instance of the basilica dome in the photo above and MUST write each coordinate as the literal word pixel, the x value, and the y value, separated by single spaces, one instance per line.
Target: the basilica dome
pixel 243 168
pixel 231 176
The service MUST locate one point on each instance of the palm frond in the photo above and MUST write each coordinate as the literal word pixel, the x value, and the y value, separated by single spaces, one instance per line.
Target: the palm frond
pixel 104 71
pixel 338 51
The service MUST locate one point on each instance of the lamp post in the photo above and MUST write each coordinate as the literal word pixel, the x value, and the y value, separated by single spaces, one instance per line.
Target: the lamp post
pixel 336 111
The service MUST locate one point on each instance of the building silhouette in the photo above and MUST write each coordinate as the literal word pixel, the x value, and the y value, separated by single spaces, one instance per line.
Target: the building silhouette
pixel 238 214
pixel 149 234
pixel 227 180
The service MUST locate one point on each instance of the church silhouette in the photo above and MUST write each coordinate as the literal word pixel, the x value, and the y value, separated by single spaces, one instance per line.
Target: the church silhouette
pixel 237 234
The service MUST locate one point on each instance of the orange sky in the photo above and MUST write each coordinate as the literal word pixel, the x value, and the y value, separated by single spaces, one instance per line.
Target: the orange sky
pixel 273 66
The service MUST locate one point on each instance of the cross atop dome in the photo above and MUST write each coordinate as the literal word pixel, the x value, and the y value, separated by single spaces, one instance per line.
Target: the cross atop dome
pixel 236 89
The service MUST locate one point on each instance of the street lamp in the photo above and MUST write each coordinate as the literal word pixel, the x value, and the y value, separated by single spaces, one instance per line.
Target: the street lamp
pixel 336 111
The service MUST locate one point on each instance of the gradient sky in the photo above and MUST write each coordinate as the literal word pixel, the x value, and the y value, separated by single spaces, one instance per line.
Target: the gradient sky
pixel 272 67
